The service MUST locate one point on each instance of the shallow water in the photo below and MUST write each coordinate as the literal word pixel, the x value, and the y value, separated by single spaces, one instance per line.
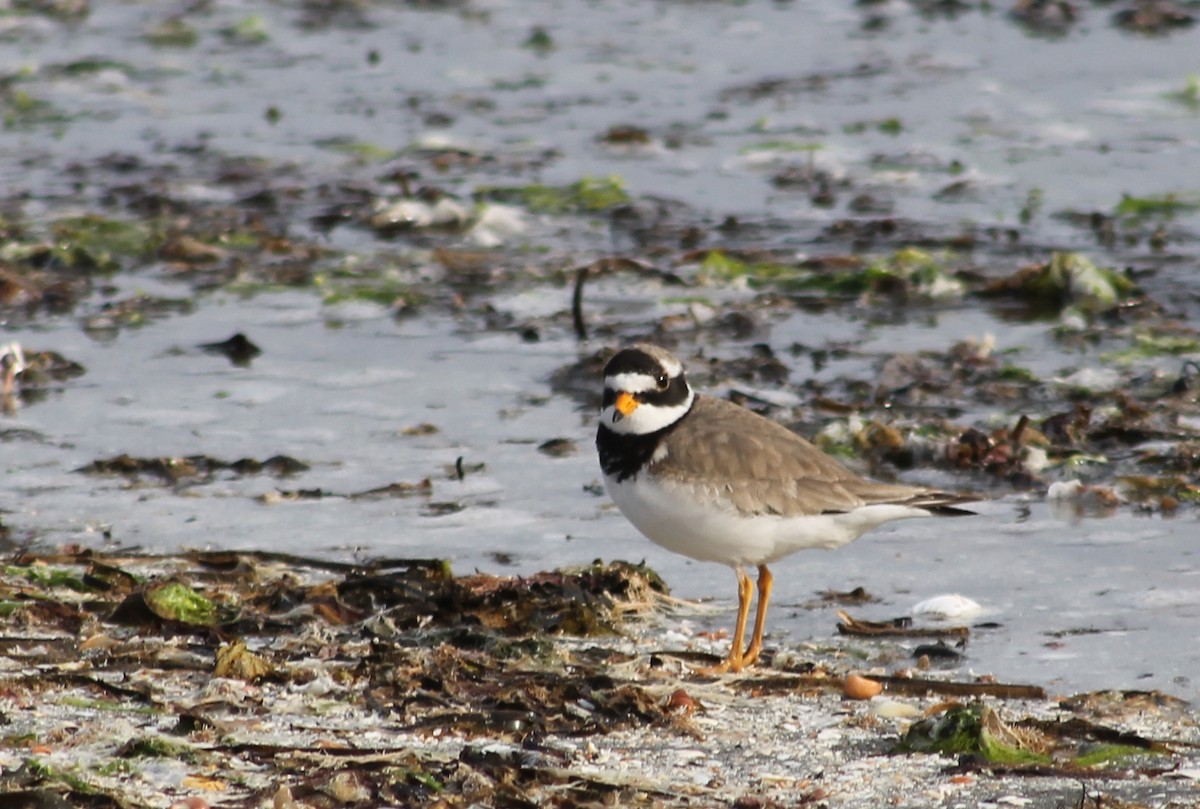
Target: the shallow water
pixel 339 397
pixel 730 94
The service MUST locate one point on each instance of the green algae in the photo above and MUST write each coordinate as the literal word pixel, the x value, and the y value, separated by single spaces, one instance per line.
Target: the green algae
pixel 1017 373
pixel 539 40
pixel 47 774
pixel 157 747
pixel 1074 282
pixel 21 110
pixel 920 269
pixel 385 293
pixel 977 730
pixel 780 146
pixel 99 243
pixel 1157 205
pixel 171 33
pixel 1103 754
pixel 1032 206
pixel 90 67
pixel 364 152
pixel 909 270
pixel 884 126
pixel 250 30
pixel 176 601
pixel 588 195
pixel 418 777
pixel 1149 344
pixel 972 729
pixel 50 578
pixel 1189 94
pixel 107 705
pixel 1080 460
pixel 722 267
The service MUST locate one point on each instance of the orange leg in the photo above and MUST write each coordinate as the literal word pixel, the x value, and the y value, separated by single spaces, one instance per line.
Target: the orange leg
pixel 735 662
pixel 765 583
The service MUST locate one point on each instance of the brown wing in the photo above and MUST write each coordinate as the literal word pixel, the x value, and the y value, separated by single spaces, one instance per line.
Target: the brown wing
pixel 771 470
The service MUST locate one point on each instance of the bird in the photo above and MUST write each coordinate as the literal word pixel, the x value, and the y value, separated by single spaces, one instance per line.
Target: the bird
pixel 714 481
pixel 12 363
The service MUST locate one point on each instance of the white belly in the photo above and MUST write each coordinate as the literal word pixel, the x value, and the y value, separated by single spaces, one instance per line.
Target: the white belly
pixel 670 517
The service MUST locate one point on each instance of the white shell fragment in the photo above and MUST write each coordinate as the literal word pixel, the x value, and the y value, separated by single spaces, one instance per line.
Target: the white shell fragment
pixel 947 607
pixel 894 709
pixel 1064 490
pixel 1096 380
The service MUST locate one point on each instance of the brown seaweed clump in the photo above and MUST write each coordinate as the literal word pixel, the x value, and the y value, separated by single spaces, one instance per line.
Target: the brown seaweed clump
pixel 252 679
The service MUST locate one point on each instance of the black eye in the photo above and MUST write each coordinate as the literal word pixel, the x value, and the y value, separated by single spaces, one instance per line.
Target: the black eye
pixel 663 381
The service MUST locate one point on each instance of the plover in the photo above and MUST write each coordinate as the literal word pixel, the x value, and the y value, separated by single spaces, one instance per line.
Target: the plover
pixel 719 483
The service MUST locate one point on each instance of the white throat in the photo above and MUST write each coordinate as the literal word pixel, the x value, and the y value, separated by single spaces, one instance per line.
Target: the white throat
pixel 647 418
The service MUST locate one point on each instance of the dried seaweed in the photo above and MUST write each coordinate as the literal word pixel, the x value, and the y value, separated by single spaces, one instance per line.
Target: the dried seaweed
pixel 896 628
pixel 326 683
pixel 192 468
pixel 446 655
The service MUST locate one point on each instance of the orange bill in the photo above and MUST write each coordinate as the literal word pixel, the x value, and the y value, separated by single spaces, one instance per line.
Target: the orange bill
pixel 625 403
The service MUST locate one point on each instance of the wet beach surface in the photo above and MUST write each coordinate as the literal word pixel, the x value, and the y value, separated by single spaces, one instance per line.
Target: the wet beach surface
pixel 954 244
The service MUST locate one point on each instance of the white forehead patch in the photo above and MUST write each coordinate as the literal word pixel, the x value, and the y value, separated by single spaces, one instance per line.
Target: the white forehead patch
pixel 631 383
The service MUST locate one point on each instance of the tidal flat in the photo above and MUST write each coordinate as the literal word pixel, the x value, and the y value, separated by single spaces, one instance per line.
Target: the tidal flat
pixel 311 303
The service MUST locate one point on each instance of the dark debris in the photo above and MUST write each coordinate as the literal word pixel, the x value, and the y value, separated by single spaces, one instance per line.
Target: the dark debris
pixel 396 683
pixel 192 468
pixel 469 657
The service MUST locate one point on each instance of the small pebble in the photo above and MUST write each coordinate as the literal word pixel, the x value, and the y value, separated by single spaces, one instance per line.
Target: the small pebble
pixel 98 641
pixel 681 702
pixel 558 447
pixel 282 799
pixel 856 686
